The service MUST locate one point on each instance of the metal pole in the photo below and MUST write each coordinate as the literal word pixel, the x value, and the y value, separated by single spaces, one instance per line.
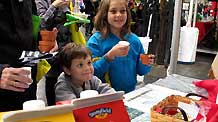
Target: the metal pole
pixel 195 13
pixel 175 37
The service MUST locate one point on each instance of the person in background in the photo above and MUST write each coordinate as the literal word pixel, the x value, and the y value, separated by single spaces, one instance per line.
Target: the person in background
pixel 49 9
pixel 139 20
pixel 53 16
pixel 90 9
pixel 76 63
pixel 113 62
pixel 16 36
pixel 205 11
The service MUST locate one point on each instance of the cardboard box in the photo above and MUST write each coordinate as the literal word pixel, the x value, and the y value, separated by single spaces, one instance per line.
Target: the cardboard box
pixel 108 112
pixel 102 108
pixel 49 114
pixel 213 73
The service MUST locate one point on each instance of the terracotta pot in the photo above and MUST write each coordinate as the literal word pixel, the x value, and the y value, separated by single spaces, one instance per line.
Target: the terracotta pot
pixel 48 35
pixel 47 43
pixel 45 48
pixel 144 58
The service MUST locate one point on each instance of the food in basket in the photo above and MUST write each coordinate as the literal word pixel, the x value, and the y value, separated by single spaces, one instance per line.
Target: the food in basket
pixel 170 115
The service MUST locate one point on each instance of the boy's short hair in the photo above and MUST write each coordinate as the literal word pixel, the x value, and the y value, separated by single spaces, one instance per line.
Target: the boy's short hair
pixel 72 51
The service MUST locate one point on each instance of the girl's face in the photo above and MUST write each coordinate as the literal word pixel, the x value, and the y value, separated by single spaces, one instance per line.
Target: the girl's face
pixel 81 70
pixel 117 14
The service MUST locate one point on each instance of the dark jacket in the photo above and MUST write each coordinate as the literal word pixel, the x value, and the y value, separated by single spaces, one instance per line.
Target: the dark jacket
pixel 15 29
pixel 15 36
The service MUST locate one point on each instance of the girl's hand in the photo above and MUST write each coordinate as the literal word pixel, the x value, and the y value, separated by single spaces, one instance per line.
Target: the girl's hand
pixel 151 59
pixel 118 51
pixel 147 59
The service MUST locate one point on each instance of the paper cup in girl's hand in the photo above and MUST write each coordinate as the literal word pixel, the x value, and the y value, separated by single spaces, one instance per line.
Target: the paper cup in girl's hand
pixel 124 43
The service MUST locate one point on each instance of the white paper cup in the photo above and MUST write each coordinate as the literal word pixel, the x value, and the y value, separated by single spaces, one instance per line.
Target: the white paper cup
pixel 29 69
pixel 88 93
pixel 33 105
pixel 124 43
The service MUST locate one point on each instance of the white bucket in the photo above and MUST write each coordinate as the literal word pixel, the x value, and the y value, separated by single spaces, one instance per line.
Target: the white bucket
pixel 88 93
pixel 188 44
pixel 33 105
pixel 145 43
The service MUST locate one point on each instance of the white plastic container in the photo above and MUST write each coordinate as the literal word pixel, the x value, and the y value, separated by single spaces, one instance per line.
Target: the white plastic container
pixel 145 43
pixel 124 43
pixel 188 38
pixel 88 93
pixel 33 105
pixel 188 44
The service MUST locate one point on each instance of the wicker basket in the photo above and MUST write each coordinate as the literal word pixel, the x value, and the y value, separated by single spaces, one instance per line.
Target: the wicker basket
pixel 169 101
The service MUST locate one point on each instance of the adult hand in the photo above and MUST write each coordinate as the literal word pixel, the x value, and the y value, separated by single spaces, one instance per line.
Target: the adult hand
pixel 15 79
pixel 60 3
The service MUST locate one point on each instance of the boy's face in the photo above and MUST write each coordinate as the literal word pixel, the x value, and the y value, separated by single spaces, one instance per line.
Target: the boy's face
pixel 81 70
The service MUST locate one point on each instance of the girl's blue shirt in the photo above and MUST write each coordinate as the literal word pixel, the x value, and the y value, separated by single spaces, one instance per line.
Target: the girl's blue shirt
pixel 122 70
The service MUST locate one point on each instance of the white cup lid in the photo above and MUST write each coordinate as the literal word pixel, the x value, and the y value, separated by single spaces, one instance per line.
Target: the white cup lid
pixel 125 43
pixel 88 93
pixel 33 105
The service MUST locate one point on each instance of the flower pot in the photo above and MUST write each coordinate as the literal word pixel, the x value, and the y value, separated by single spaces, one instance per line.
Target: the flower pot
pixel 46 46
pixel 49 43
pixel 48 35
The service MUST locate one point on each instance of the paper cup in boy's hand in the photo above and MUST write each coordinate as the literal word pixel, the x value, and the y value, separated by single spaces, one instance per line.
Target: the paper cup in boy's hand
pixel 88 93
pixel 29 69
